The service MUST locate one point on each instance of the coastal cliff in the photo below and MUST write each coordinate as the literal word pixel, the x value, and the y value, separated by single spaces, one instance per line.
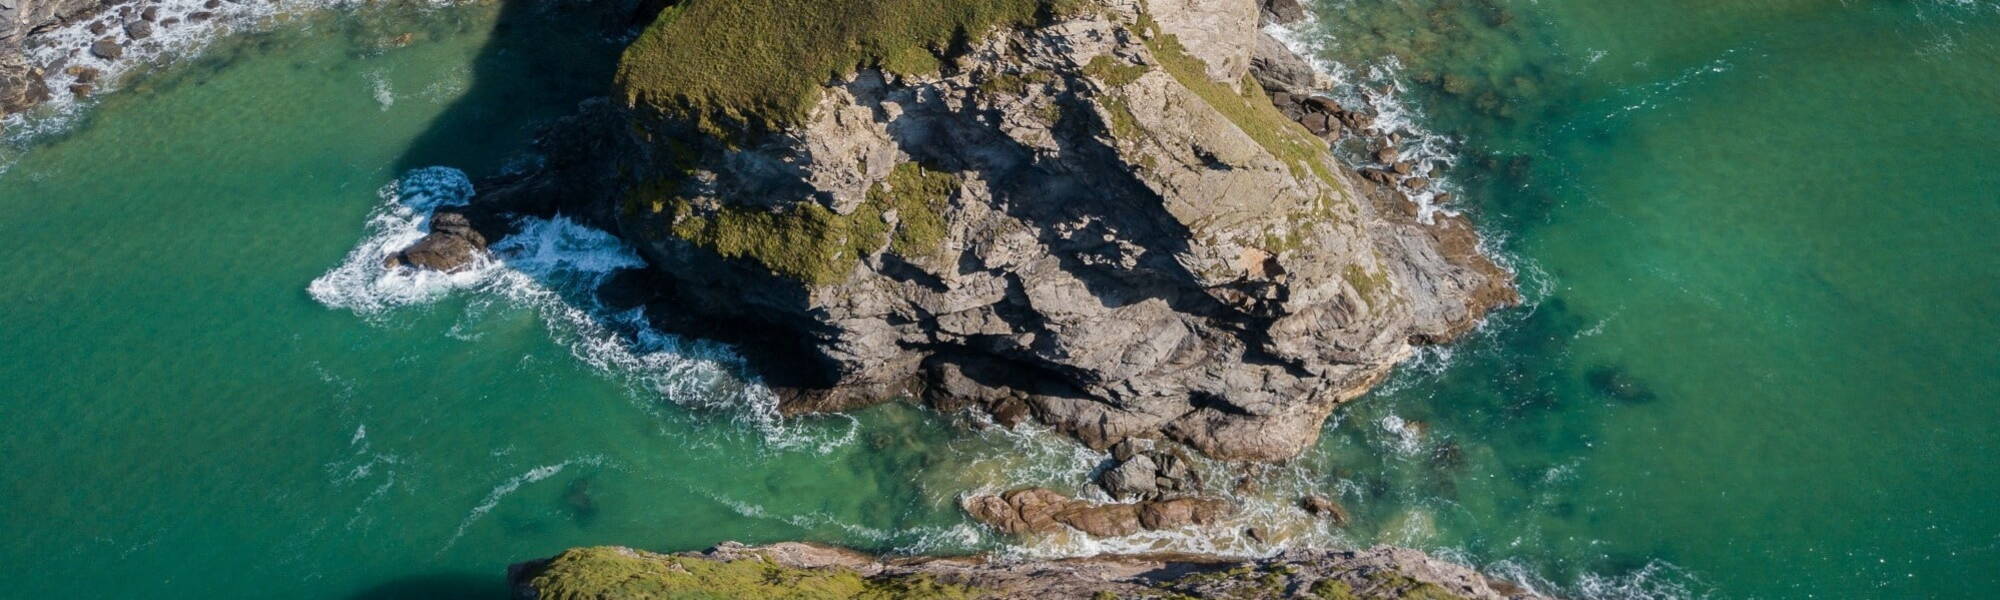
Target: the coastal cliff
pixel 1118 218
pixel 794 570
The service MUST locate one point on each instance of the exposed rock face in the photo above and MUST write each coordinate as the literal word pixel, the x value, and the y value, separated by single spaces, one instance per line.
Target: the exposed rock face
pixel 1100 221
pixel 799 570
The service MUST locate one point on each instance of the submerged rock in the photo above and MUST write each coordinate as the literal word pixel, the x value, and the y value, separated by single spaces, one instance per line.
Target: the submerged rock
pixel 1324 507
pixel 797 570
pixel 107 49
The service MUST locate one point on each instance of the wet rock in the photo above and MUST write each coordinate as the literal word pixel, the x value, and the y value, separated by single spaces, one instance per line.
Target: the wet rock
pixel 1324 104
pixel 1416 184
pixel 199 16
pixel 1103 520
pixel 1042 511
pixel 170 21
pixel 1181 512
pixel 1281 12
pixel 1256 534
pixel 1145 472
pixel 1324 507
pixel 1386 155
pixel 99 27
pixel 80 90
pixel 626 289
pixel 21 86
pixel 1131 479
pixel 84 74
pixel 139 30
pixel 1403 167
pixel 212 4
pixel 1023 511
pixel 150 13
pixel 107 49
pixel 452 245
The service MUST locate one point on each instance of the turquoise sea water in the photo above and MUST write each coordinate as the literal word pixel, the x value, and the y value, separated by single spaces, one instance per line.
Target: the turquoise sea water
pixel 1756 238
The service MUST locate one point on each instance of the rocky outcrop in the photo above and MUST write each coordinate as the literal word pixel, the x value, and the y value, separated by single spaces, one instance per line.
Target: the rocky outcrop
pixel 1039 511
pixel 1090 213
pixel 1140 470
pixel 805 570
pixel 23 84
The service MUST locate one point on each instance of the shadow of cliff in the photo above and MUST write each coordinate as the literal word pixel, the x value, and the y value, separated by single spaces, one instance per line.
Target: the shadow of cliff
pixel 541 59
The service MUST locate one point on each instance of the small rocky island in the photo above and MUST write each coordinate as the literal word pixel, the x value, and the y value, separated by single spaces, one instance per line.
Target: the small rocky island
pixel 1122 219
pixel 1118 218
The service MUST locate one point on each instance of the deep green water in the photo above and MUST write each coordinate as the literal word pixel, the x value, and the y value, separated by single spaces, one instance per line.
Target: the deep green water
pixel 1756 236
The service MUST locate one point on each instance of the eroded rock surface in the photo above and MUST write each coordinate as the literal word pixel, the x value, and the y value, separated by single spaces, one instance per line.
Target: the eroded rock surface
pixel 1099 220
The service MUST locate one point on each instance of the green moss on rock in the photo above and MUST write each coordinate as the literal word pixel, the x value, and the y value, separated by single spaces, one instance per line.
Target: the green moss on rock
pixel 1247 107
pixel 814 244
pixel 593 573
pixel 736 66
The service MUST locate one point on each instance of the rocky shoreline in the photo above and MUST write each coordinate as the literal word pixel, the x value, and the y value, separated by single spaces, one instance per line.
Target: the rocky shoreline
pixel 1122 221
pixel 796 570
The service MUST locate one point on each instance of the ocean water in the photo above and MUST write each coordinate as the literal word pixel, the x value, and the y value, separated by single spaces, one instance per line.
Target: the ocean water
pixel 1755 237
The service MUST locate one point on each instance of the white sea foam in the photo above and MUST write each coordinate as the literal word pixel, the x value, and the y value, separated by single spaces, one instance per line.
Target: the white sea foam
pixel 1379 87
pixel 58 49
pixel 501 491
pixel 554 266
pixel 379 85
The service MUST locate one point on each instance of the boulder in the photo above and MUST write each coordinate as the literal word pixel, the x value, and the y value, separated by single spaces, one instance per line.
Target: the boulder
pixel 1103 520
pixel 1133 478
pixel 452 245
pixel 139 30
pixel 1317 123
pixel 1281 12
pixel 1042 511
pixel 1324 507
pixel 107 49
pixel 1181 512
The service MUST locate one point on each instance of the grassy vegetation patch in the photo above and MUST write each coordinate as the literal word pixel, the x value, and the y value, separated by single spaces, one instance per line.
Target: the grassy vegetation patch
pixel 1249 109
pixel 592 573
pixel 1113 72
pixel 814 244
pixel 743 66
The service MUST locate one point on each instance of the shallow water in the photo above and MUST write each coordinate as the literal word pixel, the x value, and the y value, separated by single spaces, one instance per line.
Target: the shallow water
pixel 1754 364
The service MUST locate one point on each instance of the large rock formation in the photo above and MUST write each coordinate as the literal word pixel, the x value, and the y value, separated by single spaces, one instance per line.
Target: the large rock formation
pixel 1088 212
pixel 793 570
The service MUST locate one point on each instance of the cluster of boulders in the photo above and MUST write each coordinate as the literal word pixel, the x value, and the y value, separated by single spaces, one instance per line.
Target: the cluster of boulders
pixel 114 27
pixel 1141 471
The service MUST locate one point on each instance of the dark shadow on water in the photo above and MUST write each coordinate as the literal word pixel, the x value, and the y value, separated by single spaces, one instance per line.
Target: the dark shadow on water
pixel 440 586
pixel 542 60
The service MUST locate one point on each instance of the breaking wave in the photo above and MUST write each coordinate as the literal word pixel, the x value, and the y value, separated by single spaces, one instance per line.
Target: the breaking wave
pixel 554 267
